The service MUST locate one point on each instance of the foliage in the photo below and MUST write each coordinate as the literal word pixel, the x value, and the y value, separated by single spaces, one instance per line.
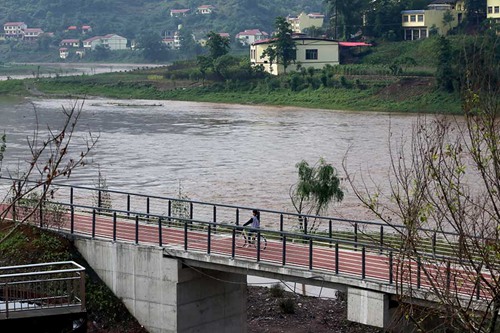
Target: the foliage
pixel 277 290
pixel 287 305
pixel 316 188
pixel 444 74
pixel 444 180
pixel 152 46
pixel 282 50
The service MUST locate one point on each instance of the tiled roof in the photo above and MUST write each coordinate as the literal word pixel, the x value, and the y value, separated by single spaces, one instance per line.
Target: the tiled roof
pixel 14 23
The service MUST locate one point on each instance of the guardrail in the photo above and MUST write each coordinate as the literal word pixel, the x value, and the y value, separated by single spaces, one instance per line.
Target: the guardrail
pixel 131 204
pixel 360 249
pixel 42 286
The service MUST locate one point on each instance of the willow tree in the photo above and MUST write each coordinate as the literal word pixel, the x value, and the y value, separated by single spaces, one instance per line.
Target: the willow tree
pixel 444 188
pixel 316 188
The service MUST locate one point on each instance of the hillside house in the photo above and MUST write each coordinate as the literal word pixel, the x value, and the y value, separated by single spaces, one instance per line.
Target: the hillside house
pixel 251 36
pixel 169 42
pixel 110 41
pixel 179 12
pixel 86 29
pixel 32 33
pixel 70 43
pixel 419 24
pixel 14 29
pixel 493 11
pixel 63 52
pixel 205 9
pixel 310 52
pixel 304 21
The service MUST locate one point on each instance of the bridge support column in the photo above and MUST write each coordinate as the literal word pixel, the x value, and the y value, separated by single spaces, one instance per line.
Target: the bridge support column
pixel 368 307
pixel 164 295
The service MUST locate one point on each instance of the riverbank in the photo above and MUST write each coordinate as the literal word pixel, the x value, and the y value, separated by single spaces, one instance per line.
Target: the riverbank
pixel 351 92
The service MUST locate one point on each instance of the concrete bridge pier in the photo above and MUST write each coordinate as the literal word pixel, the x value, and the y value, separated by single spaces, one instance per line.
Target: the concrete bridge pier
pixel 164 295
pixel 369 307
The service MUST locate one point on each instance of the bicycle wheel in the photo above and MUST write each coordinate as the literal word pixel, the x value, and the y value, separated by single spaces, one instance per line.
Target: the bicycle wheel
pixel 240 240
pixel 263 243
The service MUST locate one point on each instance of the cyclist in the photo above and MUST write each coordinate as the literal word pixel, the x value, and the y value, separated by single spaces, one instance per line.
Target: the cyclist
pixel 255 223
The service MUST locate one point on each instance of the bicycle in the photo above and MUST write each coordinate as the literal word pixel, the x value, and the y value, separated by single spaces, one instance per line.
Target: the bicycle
pixel 249 239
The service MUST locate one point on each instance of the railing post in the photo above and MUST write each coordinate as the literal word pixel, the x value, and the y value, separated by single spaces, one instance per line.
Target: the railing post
pixel 185 236
pixel 434 240
pixel 356 235
pixel 93 223
pixel 215 218
pixel 71 196
pixel 128 204
pixel 137 229
pixel 114 226
pixel 337 258
pixel 99 200
pixel 160 229
pixel 258 246
pixel 209 238
pixel 419 267
pixel 169 210
pixel 381 238
pixel 190 210
pixel 283 258
pixel 363 262
pixel 233 243
pixel 147 207
pixel 305 225
pixel 391 277
pixel 72 219
pixel 448 275
pixel 237 216
pixel 310 253
pixel 330 231
pixel 281 222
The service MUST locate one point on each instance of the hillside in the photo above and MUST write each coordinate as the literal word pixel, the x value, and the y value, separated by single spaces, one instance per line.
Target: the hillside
pixel 129 18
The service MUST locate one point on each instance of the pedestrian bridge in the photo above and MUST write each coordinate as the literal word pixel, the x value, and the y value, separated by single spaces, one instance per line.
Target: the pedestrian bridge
pixel 179 267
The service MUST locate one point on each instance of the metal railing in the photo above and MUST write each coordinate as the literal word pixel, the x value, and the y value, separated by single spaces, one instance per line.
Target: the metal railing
pixel 42 286
pixel 358 249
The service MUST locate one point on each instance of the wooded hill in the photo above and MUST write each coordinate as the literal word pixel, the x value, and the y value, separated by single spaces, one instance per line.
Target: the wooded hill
pixel 131 17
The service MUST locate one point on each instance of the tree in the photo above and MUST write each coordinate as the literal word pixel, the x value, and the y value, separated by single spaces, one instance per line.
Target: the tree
pixel 316 188
pixel 52 157
pixel 445 74
pixel 346 14
pixel 153 48
pixel 445 181
pixel 283 50
pixel 217 45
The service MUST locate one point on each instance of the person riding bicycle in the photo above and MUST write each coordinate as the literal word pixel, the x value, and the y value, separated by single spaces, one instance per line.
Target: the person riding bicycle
pixel 255 223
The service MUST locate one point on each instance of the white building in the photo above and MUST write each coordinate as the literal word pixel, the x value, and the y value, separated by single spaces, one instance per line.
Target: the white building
pixel 310 52
pixel 251 36
pixel 111 41
pixel 14 29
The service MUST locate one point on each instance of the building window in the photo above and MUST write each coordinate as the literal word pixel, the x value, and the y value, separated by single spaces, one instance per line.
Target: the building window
pixel 407 34
pixel 420 18
pixel 497 9
pixel 416 34
pixel 312 54
pixel 405 18
pixel 413 18
pixel 423 33
pixel 490 10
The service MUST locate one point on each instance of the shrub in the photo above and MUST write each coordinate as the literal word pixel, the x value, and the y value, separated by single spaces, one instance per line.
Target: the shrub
pixel 277 290
pixel 287 306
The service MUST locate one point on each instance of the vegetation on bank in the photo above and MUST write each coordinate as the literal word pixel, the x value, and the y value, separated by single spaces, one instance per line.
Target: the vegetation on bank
pixel 417 76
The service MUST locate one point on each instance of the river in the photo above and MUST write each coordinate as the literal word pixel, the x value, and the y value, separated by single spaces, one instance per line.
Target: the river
pixel 231 154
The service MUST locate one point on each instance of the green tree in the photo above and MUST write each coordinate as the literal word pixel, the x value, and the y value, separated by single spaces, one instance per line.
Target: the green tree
pixel 283 50
pixel 346 17
pixel 152 46
pixel 316 188
pixel 217 45
pixel 444 72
